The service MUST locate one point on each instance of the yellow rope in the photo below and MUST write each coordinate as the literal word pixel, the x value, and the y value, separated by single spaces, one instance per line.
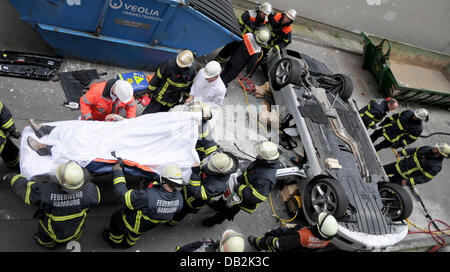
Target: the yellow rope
pixel 274 213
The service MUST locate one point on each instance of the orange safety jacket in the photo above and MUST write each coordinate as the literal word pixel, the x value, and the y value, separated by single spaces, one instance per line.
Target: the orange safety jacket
pixel 309 240
pixel 281 33
pixel 97 103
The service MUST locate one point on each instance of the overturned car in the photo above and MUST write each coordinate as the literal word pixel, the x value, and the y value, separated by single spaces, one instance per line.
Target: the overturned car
pixel 340 172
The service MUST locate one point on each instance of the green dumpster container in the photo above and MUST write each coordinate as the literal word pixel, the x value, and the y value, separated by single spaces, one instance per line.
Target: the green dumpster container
pixel 408 73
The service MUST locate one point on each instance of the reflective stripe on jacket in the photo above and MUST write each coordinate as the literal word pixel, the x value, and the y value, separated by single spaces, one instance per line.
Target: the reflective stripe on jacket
pixel 419 165
pixel 63 214
pixel 250 21
pixel 281 33
pixel 171 83
pixel 97 103
pixel 256 183
pixel 374 112
pixel 401 128
pixel 147 208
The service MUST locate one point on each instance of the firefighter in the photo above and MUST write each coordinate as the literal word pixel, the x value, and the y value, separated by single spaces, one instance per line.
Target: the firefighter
pixel 253 186
pixel 419 165
pixel 172 82
pixel 400 129
pixel 376 110
pixel 105 100
pixel 249 22
pixel 63 203
pixel 299 238
pixel 231 241
pixel 8 150
pixel 247 54
pixel 207 182
pixel 205 145
pixel 143 210
pixel 280 25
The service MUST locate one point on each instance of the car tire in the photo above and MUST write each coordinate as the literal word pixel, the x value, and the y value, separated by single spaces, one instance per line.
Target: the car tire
pixel 346 86
pixel 325 195
pixel 284 72
pixel 397 203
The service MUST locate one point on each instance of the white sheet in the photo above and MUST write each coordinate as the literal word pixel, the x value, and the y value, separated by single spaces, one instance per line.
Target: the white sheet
pixel 152 140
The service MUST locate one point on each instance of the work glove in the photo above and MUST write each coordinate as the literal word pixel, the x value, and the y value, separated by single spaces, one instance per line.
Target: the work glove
pixel 117 167
pixel 15 134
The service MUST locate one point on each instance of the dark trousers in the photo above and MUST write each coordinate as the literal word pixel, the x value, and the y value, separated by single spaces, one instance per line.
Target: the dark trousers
pixel 384 144
pixel 223 212
pixel 155 106
pixel 226 51
pixel 46 241
pixel 118 231
pixel 10 155
pixel 392 173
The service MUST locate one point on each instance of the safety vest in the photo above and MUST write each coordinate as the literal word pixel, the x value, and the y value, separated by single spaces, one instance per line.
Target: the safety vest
pixel 96 104
pixel 280 33
pixel 309 240
pixel 406 173
pixel 251 44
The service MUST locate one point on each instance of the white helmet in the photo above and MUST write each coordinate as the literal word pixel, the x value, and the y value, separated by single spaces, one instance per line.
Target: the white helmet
pixel 443 148
pixel 267 150
pixel 266 8
pixel 263 35
pixel 291 14
pixel 71 176
pixel 204 108
pixel 220 163
pixel 232 242
pixel 185 58
pixel 172 175
pixel 327 225
pixel 421 113
pixel 212 69
pixel 124 90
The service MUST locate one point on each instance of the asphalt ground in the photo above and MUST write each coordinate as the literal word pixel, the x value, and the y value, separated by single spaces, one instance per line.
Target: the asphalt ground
pixel 43 100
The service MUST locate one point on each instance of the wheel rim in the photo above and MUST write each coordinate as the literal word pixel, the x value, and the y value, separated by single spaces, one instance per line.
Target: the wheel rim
pixel 392 205
pixel 323 198
pixel 282 72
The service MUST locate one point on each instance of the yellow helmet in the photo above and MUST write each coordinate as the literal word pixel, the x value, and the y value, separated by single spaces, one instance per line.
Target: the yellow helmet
pixel 172 175
pixel 232 241
pixel 185 58
pixel 71 176
pixel 443 148
pixel 262 35
pixel 267 150
pixel 327 225
pixel 220 163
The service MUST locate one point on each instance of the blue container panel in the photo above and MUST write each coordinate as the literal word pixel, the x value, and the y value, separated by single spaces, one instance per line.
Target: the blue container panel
pixel 79 15
pixel 134 20
pixel 105 50
pixel 192 30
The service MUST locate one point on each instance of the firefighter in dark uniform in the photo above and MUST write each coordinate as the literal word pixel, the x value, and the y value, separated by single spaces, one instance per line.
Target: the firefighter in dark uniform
pixel 205 145
pixel 171 83
pixel 280 25
pixel 299 238
pixel 207 182
pixel 401 129
pixel 143 210
pixel 63 204
pixel 249 22
pixel 419 165
pixel 8 150
pixel 246 55
pixel 376 110
pixel 253 186
pixel 231 241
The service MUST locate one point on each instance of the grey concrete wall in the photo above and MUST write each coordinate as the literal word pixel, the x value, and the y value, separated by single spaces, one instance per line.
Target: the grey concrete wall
pixel 423 23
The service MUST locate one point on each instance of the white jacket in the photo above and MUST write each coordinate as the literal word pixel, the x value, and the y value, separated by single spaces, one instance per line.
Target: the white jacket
pixel 211 93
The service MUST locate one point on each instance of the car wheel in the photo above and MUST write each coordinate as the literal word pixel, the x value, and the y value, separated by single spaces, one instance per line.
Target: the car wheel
pixel 397 203
pixel 345 86
pixel 326 195
pixel 285 71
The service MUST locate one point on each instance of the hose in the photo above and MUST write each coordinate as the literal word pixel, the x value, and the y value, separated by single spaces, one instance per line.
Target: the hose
pixel 435 133
pixel 274 213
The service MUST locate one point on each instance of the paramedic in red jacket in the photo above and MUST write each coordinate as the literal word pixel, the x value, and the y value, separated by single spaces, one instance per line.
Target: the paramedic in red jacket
pixel 105 100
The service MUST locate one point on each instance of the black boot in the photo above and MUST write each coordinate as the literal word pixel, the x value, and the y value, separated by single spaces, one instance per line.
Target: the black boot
pixel 40 130
pixel 41 149
pixel 105 236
